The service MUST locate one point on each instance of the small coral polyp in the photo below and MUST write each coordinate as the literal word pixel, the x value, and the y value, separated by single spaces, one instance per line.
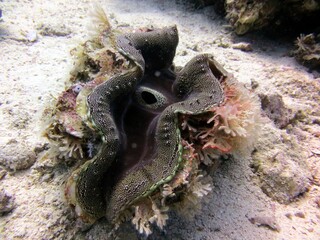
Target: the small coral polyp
pixel 229 128
pixel 146 131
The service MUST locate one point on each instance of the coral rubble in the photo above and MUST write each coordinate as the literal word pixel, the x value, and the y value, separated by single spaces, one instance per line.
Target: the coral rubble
pixel 308 50
pixel 246 16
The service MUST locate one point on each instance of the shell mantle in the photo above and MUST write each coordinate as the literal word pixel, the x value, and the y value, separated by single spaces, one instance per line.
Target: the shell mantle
pixel 137 115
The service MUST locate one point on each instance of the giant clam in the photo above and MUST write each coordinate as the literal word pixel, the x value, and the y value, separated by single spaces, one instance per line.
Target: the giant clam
pixel 158 125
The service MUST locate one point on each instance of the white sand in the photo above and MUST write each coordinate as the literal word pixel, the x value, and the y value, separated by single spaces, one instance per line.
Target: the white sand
pixel 32 72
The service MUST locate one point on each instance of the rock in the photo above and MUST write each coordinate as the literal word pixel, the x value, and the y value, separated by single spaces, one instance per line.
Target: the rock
pixel 243 46
pixel 6 202
pixel 300 214
pixel 53 29
pixel 283 179
pixel 268 221
pixel 275 109
pixel 284 16
pixel 281 165
pixel 254 84
pixel 16 155
pixel 20 117
pixel 289 215
pixel 31 36
pixel 40 147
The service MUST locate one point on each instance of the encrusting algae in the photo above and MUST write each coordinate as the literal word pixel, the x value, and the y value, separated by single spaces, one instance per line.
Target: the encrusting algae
pixel 205 111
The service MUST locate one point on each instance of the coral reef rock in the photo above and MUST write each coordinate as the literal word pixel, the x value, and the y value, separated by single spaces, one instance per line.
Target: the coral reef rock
pixel 246 15
pixel 308 50
pixel 286 18
pixel 281 166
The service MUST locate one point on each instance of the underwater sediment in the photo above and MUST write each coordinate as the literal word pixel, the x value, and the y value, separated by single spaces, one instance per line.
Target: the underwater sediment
pixel 243 201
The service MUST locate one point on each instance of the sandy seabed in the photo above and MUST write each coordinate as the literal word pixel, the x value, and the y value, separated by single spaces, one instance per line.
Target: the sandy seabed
pixel 35 42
